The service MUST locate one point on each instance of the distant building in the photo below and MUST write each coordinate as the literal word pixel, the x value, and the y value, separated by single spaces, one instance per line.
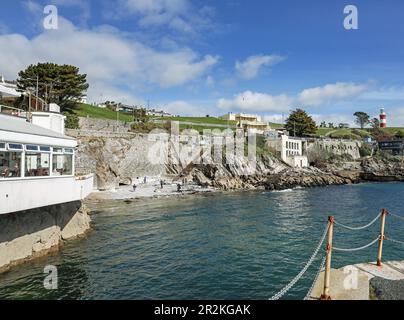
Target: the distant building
pixel 344 125
pixel 248 122
pixel 291 150
pixel 396 146
pixel 8 89
pixel 158 113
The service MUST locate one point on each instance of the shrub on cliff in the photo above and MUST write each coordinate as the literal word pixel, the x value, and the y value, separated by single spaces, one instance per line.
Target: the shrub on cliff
pixel 72 120
pixel 365 150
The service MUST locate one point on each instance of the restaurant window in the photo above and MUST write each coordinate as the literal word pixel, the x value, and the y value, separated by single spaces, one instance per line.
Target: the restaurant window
pixel 14 146
pixel 10 164
pixel 62 165
pixel 37 164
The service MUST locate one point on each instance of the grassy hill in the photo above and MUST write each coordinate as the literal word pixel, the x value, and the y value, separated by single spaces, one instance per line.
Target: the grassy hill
pixel 86 110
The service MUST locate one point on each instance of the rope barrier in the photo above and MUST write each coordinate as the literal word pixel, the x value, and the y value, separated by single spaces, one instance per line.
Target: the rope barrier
pixel 392 240
pixel 291 284
pixel 396 216
pixel 356 249
pixel 316 278
pixel 358 228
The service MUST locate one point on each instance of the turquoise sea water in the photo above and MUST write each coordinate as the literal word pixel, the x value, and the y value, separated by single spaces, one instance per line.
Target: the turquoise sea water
pixel 243 245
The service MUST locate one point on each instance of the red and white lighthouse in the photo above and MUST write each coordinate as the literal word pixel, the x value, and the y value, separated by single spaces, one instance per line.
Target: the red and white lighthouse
pixel 383 118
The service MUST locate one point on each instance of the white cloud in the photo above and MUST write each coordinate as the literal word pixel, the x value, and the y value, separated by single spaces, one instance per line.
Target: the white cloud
pixel 177 15
pixel 186 109
pixel 395 117
pixel 312 97
pixel 385 93
pixel 329 93
pixel 255 101
pixel 109 58
pixel 251 67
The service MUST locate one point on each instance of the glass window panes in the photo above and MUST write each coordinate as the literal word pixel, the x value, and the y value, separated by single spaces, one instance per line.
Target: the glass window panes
pixel 62 165
pixel 14 146
pixel 45 149
pixel 37 164
pixel 10 164
pixel 31 147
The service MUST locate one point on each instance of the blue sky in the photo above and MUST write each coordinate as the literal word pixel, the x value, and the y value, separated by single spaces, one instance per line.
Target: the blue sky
pixel 212 57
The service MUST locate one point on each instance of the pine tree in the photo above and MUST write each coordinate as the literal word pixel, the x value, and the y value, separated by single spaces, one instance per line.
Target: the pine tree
pixel 300 124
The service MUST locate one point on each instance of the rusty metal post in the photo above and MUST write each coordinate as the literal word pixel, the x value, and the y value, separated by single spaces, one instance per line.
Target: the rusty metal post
pixel 381 237
pixel 327 273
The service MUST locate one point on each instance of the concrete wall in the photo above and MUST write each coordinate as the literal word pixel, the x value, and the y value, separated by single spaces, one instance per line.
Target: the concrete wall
pixel 338 147
pixel 29 234
pixel 26 193
pixel 51 121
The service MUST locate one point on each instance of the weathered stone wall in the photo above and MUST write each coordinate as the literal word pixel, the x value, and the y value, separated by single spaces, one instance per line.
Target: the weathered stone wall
pixel 103 125
pixel 32 233
pixel 338 147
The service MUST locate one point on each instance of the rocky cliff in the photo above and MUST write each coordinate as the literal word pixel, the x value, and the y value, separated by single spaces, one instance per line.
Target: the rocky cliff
pixel 369 169
pixel 120 159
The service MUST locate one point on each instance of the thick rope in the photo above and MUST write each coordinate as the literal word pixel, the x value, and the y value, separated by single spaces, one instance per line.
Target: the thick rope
pixel 396 216
pixel 307 297
pixel 358 228
pixel 291 284
pixel 392 240
pixel 356 249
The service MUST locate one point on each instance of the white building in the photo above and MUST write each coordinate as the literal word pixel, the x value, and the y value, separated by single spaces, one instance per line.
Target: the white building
pixel 249 122
pixel 37 167
pixel 291 150
pixel 8 89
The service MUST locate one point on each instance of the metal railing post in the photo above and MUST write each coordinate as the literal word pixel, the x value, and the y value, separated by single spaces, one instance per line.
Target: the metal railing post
pixel 381 237
pixel 327 273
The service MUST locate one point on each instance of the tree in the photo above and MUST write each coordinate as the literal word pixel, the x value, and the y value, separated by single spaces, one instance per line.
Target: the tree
pixel 61 84
pixel 300 123
pixel 375 123
pixel 140 115
pixel 362 118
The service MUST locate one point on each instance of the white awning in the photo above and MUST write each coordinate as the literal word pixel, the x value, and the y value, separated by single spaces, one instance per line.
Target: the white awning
pixel 8 92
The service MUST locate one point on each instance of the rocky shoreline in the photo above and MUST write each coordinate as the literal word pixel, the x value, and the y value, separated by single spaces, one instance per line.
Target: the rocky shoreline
pixel 123 160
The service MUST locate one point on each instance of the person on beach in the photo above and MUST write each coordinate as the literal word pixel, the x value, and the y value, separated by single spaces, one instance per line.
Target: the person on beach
pixel 162 184
pixel 179 187
pixel 134 187
pixel 145 180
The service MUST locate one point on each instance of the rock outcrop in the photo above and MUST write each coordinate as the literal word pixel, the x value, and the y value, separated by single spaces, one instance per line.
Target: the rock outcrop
pixel 307 178
pixel 121 158
pixel 29 234
pixel 369 169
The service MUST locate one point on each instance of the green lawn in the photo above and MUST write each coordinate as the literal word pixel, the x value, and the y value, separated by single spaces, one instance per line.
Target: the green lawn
pixel 209 120
pixel 86 110
pixel 353 133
